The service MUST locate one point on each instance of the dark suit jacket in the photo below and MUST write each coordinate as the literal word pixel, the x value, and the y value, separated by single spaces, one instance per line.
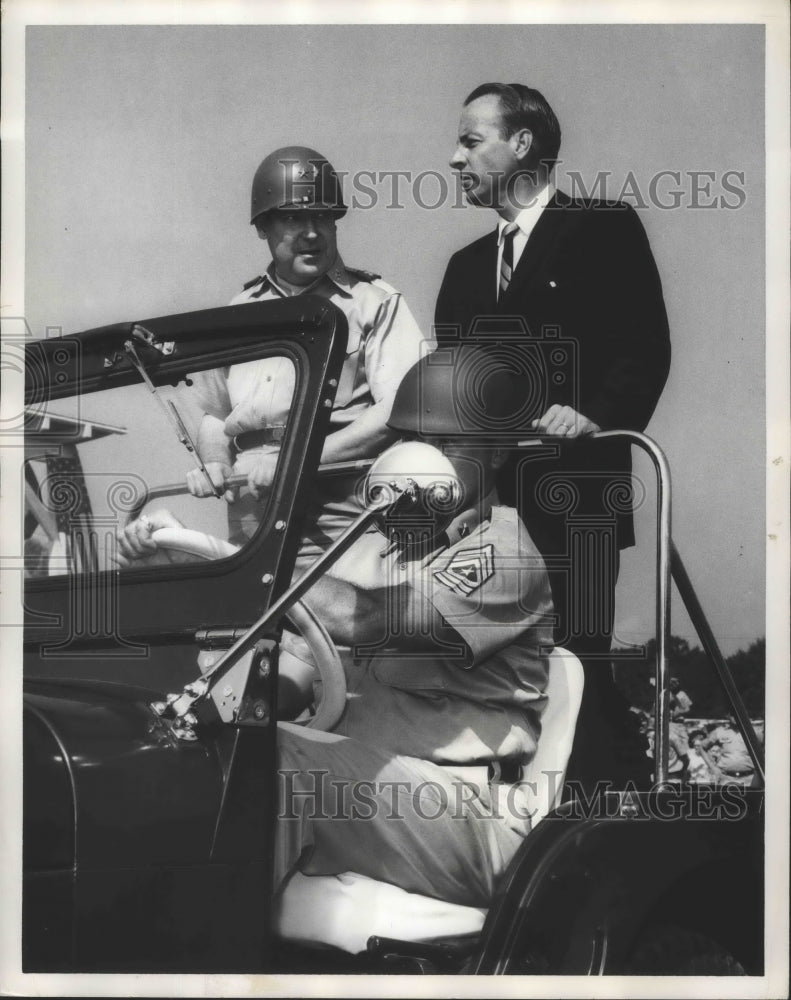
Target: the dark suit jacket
pixel 586 301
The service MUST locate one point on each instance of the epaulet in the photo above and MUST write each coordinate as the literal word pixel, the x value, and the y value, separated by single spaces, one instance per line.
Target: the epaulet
pixel 363 275
pixel 251 282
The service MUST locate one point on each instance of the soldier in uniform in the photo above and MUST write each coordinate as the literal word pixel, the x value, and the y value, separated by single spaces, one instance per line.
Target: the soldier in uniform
pixel 449 669
pixel 446 667
pixel 296 203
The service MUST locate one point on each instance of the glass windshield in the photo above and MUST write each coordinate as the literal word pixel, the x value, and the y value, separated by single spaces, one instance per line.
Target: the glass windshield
pixel 173 465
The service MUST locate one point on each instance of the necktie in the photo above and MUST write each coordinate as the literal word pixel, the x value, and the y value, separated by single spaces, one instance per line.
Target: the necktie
pixel 507 260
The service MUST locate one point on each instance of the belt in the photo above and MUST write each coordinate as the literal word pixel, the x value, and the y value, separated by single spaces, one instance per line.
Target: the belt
pixel 254 439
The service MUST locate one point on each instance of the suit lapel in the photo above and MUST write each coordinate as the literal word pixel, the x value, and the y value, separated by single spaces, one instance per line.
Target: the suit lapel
pixel 553 222
pixel 483 284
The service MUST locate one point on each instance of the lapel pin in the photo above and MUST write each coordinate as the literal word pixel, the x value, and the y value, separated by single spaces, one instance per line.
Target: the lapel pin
pixel 553 284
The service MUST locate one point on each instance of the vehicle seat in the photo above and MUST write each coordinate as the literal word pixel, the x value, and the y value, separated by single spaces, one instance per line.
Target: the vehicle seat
pixel 345 910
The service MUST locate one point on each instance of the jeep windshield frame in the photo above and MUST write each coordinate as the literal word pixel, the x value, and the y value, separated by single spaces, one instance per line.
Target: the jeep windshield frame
pixel 311 333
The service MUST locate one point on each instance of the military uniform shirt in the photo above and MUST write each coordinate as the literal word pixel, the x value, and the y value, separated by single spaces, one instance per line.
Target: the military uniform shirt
pixel 492 587
pixel 384 342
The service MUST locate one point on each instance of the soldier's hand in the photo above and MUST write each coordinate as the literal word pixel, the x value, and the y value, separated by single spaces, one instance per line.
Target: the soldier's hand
pixel 262 474
pixel 564 421
pixel 219 472
pixel 134 542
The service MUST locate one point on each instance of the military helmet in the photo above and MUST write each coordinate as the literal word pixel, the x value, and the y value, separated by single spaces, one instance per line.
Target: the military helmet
pixel 295 177
pixel 461 390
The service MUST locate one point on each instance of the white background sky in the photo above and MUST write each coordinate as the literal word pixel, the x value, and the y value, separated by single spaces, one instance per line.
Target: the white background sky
pixel 141 143
pixel 138 147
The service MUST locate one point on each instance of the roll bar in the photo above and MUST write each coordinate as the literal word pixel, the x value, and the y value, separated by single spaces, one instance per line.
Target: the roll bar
pixel 662 621
pixel 670 567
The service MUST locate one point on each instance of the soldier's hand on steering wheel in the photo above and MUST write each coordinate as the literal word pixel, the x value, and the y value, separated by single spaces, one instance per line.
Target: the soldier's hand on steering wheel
pixel 135 542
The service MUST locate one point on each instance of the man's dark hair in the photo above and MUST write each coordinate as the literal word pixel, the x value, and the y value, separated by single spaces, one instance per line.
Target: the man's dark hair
pixel 523 107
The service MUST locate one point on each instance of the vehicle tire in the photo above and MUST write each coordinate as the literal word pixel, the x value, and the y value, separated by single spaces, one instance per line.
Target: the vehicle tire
pixel 667 950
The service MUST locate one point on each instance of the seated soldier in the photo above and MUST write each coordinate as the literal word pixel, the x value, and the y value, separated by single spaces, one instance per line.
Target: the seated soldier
pixel 449 668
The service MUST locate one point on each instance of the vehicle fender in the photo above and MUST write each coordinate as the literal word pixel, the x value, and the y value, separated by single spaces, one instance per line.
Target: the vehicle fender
pixel 580 890
pixel 107 783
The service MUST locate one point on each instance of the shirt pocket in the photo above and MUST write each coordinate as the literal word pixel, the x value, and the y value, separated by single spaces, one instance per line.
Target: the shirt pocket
pixel 350 373
pixel 410 673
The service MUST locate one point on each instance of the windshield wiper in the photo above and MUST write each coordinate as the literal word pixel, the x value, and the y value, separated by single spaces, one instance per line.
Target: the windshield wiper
pixel 173 415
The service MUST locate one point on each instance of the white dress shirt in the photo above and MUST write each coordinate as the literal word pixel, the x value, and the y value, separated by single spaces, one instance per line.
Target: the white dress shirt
pixel 526 221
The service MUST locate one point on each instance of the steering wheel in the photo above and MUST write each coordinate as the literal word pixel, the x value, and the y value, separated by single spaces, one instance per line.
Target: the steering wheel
pixel 328 663
pixel 322 648
pixel 193 543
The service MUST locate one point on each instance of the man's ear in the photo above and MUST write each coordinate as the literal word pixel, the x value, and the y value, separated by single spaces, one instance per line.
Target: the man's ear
pixel 522 141
pixel 259 228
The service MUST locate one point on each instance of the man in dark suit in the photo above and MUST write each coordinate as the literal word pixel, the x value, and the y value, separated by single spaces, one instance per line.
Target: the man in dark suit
pixel 570 291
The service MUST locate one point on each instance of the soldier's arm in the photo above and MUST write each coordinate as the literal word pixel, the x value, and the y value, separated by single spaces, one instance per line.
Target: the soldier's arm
pixel 396 617
pixel 365 437
pixel 214 448
pixel 394 344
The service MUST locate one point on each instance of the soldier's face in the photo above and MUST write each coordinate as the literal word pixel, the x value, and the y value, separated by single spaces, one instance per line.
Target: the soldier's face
pixel 484 158
pixel 302 243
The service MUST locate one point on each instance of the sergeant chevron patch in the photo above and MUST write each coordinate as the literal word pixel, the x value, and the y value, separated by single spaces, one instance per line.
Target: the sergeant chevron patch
pixel 468 569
